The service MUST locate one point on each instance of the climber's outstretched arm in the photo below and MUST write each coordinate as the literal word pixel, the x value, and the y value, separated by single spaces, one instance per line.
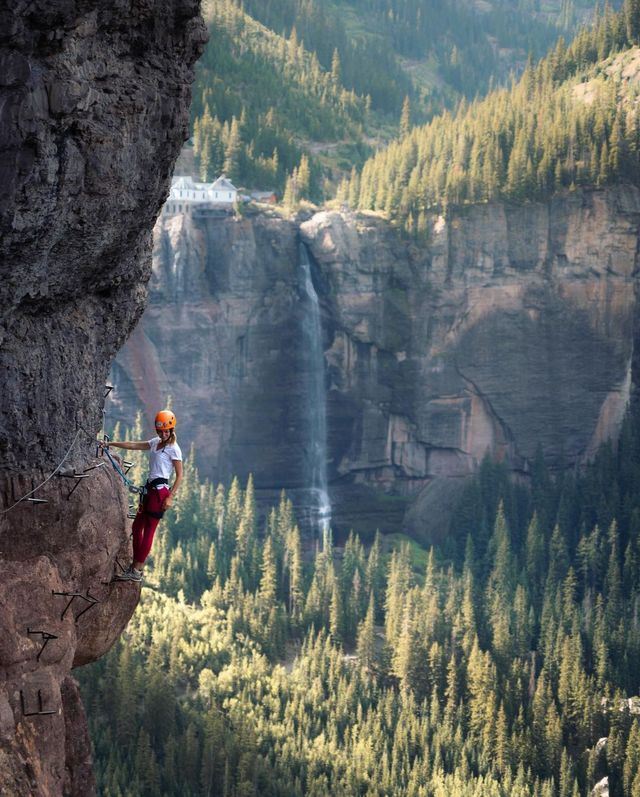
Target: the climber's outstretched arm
pixel 141 445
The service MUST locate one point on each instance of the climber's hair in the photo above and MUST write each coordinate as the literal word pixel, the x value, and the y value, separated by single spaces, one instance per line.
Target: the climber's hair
pixel 169 441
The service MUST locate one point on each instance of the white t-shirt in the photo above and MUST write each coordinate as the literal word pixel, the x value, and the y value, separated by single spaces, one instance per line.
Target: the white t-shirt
pixel 161 462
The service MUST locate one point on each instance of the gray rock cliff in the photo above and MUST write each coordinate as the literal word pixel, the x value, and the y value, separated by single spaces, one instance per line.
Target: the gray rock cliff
pixel 94 100
pixel 508 329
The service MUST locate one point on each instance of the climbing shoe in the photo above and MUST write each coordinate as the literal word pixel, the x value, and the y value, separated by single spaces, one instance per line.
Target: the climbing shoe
pixel 130 574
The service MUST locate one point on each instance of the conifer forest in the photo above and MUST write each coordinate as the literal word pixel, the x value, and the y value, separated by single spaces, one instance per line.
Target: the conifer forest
pixel 505 663
pixel 284 78
pixel 570 119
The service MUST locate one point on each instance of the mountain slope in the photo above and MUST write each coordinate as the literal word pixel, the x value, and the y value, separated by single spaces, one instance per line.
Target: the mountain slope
pixel 570 120
pixel 380 42
pixel 259 96
pixel 336 79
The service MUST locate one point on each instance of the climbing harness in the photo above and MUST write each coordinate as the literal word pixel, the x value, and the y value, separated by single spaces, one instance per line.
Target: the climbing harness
pixel 152 485
pixel 142 491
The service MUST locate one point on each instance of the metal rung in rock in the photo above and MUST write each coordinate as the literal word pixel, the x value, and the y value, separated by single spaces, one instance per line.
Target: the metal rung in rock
pixel 73 475
pixel 29 497
pixel 46 637
pixel 94 467
pixel 39 712
pixel 72 596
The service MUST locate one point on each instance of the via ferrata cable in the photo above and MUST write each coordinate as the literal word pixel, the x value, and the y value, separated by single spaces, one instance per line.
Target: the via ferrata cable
pixel 4 511
pixel 132 487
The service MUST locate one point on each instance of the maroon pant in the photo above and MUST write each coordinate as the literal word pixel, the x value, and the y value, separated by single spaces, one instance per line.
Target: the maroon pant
pixel 144 524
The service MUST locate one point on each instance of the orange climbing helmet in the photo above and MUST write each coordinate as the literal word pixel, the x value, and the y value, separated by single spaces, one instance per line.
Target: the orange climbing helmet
pixel 165 419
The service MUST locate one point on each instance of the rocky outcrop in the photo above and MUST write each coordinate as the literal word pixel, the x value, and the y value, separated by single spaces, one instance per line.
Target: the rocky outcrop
pixel 59 611
pixel 94 100
pixel 510 328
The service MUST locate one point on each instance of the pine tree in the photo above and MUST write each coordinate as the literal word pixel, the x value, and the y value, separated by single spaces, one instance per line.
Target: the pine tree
pixel 245 534
pixel 336 613
pixel 294 559
pixel 212 568
pixel 403 659
pixel 268 582
pixel 233 151
pixel 613 579
pixel 502 748
pixel 304 178
pixel 375 575
pixel 290 198
pixel 336 68
pixel 366 637
pixel 405 118
pixel 631 767
pixel 397 586
pixel 500 588
pixel 535 561
pixel 452 691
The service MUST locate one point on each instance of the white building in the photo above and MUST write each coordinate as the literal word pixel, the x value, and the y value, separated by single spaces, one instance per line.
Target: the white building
pixel 223 190
pixel 186 194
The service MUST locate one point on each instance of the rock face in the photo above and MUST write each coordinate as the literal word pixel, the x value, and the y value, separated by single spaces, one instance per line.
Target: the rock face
pixel 510 328
pixel 58 611
pixel 94 99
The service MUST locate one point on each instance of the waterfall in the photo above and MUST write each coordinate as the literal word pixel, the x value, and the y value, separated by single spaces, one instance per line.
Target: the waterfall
pixel 317 505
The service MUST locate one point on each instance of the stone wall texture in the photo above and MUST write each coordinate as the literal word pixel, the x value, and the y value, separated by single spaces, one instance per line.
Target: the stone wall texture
pixel 94 102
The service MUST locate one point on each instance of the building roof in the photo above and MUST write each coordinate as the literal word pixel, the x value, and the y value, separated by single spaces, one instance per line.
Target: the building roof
pixel 223 184
pixel 183 181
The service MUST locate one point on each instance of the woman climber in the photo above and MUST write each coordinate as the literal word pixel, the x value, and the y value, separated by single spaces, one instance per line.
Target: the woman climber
pixel 164 458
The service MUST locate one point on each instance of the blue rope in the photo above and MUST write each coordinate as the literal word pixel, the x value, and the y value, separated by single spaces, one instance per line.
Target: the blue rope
pixel 132 487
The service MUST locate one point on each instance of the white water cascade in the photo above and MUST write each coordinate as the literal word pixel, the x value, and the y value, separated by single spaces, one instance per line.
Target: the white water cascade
pixel 317 505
